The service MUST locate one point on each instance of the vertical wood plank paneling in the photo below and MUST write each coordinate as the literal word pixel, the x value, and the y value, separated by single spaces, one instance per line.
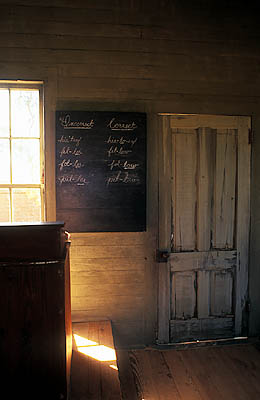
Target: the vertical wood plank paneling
pixel 206 169
pixel 203 294
pixel 221 285
pixel 183 295
pixel 225 189
pixel 165 163
pixel 184 165
pixel 243 219
pixel 220 151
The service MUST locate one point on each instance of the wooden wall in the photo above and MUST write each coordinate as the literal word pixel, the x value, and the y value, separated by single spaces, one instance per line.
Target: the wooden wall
pixel 135 55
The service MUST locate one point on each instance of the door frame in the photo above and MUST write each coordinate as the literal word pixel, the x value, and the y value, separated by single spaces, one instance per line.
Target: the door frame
pixel 243 124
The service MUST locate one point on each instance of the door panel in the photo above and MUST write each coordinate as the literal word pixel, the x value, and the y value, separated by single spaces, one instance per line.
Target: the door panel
pixel 205 186
pixel 225 189
pixel 202 289
pixel 184 295
pixel 184 166
pixel 203 205
pixel 221 293
pixel 206 327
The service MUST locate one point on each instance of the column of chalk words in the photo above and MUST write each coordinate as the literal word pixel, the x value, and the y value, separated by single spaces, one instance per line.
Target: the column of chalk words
pixel 101 170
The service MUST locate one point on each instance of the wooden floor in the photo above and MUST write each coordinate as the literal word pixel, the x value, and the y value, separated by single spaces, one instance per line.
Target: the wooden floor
pixel 94 374
pixel 229 372
pixel 226 372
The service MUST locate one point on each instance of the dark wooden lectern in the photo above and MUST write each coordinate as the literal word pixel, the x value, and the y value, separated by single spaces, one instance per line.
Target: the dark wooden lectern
pixel 35 319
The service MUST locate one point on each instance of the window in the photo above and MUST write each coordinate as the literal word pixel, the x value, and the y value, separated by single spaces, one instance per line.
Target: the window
pixel 21 153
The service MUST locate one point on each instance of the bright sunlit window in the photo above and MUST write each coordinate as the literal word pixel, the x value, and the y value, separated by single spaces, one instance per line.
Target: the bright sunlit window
pixel 21 153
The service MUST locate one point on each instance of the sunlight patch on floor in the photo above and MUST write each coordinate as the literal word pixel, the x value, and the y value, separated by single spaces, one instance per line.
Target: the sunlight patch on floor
pixel 94 350
pixel 81 341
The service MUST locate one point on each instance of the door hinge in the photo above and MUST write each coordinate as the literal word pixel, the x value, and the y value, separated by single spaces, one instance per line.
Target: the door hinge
pixel 250 136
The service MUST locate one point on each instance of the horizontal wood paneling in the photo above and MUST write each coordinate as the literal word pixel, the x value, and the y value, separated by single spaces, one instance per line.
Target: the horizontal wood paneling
pixel 80 13
pixel 104 264
pixel 108 305
pixel 103 252
pixel 228 72
pixel 66 28
pixel 178 102
pixel 228 51
pixel 158 27
pixel 114 238
pixel 101 4
pixel 151 56
pixel 137 87
pixel 81 61
pixel 108 276
pixel 116 277
pixel 92 290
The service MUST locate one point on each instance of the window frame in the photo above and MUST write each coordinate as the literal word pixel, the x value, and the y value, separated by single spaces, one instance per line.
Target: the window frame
pixel 28 85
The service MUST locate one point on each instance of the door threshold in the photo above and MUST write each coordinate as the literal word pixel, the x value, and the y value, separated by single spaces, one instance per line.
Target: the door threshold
pixel 205 343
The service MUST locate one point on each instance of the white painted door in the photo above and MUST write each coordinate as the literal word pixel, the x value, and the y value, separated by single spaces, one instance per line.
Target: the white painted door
pixel 204 215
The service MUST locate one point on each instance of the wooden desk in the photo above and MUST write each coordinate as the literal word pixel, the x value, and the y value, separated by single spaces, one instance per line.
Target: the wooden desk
pixel 35 319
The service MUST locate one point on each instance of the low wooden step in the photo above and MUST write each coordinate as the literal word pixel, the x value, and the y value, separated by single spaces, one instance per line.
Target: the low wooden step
pixel 94 372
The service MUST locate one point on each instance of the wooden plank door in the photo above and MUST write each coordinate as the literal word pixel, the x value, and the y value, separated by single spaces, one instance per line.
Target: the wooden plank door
pixel 204 215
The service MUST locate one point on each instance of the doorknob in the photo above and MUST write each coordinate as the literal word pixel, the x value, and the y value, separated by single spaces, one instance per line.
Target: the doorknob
pixel 162 256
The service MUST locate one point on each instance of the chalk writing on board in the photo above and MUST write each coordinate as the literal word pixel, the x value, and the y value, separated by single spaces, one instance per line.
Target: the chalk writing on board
pixel 79 180
pixel 67 123
pixel 101 170
pixel 122 164
pixel 121 141
pixel 114 125
pixel 121 151
pixel 123 177
pixel 70 139
pixel 67 150
pixel 67 163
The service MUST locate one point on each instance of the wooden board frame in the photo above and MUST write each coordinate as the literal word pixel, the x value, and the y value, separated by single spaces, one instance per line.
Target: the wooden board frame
pixel 101 170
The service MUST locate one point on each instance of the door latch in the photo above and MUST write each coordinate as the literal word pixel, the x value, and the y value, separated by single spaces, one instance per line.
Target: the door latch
pixel 162 256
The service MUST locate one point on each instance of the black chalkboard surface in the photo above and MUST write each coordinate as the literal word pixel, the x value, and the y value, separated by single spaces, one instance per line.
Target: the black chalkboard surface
pixel 101 171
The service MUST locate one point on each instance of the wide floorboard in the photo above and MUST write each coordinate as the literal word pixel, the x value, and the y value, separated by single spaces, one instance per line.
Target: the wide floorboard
pixel 228 372
pixel 212 372
pixel 94 372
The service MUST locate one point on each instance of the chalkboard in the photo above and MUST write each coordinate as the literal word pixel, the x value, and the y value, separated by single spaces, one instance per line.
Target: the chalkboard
pixel 101 171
